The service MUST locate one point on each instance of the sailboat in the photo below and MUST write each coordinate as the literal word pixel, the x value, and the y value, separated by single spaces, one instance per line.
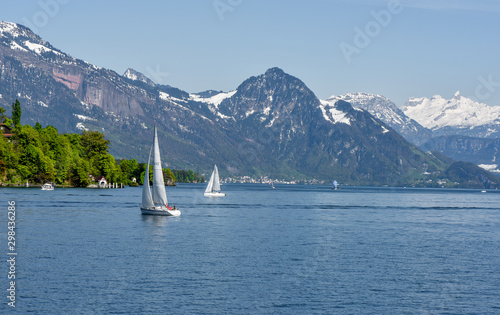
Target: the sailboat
pixel 156 203
pixel 335 185
pixel 213 187
pixel 271 184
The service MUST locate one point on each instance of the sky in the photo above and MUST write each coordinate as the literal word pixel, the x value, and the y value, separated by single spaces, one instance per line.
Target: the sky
pixel 396 48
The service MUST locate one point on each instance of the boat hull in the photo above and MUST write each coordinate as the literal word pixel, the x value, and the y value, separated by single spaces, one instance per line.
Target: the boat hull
pixel 214 194
pixel 160 211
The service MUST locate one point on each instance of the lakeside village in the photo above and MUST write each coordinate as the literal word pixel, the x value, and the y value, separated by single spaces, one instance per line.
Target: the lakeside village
pixel 33 156
pixel 268 180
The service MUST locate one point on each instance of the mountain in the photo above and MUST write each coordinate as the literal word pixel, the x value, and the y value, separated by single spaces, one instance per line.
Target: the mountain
pixel 456 116
pixel 272 124
pixel 137 76
pixel 385 110
pixel 287 129
pixel 481 151
pixel 72 94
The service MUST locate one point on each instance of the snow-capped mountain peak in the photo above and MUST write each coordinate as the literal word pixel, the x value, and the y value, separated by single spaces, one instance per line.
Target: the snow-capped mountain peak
pixel 459 111
pixel 385 110
pixel 11 28
pixel 137 76
pixel 23 39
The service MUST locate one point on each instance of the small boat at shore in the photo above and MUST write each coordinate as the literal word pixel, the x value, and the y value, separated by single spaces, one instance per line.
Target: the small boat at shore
pixel 47 186
pixel 156 203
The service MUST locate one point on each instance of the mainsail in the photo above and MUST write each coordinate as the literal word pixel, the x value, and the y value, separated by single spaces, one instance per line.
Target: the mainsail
pixel 216 179
pixel 147 199
pixel 213 183
pixel 159 194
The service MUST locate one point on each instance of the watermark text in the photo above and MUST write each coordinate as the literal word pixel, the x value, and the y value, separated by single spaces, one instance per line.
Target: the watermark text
pixel 11 253
pixel 363 36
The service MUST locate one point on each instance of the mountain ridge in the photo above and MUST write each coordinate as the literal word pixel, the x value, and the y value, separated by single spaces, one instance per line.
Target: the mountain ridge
pixel 387 111
pixel 459 115
pixel 272 124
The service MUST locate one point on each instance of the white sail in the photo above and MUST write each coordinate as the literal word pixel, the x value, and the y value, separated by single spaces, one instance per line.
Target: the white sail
pixel 210 183
pixel 147 199
pixel 216 186
pixel 159 194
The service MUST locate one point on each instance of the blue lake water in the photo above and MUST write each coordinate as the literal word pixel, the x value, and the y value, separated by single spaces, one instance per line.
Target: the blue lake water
pixel 292 250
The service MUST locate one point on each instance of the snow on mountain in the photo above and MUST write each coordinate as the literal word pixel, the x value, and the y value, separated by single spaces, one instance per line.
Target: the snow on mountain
pixel 213 100
pixel 16 46
pixel 438 112
pixel 39 49
pixel 21 38
pixel 385 110
pixel 13 29
pixel 137 76
pixel 332 114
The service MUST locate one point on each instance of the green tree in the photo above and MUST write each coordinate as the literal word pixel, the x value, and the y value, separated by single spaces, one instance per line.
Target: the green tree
pixel 150 176
pixel 16 113
pixel 26 135
pixel 169 174
pixel 107 167
pixel 3 169
pixel 31 160
pixel 2 114
pixel 46 169
pixel 38 127
pixel 93 143
pixel 80 173
pixel 190 176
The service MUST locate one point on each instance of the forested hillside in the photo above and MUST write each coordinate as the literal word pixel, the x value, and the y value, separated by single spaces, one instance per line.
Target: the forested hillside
pixel 40 154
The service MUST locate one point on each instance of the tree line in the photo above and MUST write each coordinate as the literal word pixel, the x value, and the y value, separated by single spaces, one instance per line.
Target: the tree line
pixel 40 154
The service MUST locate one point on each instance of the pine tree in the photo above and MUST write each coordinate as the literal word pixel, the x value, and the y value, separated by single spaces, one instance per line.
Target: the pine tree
pixel 16 113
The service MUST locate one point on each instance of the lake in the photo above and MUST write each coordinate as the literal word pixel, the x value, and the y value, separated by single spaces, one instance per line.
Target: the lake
pixel 290 250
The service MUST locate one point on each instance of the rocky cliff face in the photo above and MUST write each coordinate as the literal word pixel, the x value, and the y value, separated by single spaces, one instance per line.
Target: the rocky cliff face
pixel 26 59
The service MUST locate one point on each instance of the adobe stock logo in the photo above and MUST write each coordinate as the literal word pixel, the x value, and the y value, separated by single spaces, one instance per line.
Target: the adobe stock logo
pixel 363 37
pixel 224 6
pixel 486 87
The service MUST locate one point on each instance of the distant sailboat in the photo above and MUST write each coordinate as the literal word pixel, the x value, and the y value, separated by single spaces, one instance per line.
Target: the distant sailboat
pixel 335 185
pixel 271 184
pixel 156 203
pixel 213 187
